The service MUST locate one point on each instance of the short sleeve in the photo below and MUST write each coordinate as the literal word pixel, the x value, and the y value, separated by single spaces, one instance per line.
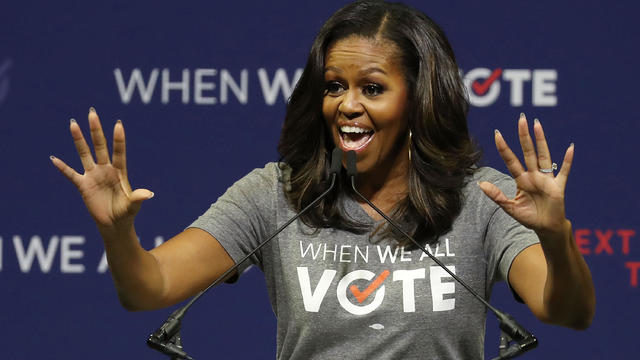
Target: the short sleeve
pixel 244 215
pixel 505 238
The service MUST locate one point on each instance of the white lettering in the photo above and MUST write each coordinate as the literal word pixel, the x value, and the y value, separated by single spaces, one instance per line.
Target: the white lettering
pixel 403 255
pixel 446 246
pixel 199 85
pixel 136 81
pixel 424 254
pixel 438 250
pixel 67 254
pixel 241 92
pixel 437 254
pixel 343 253
pixel 313 300
pixel 35 249
pixel 387 252
pixel 303 252
pixel 279 84
pixel 408 291
pixel 483 85
pixel 182 86
pixel 364 256
pixel 544 87
pixel 516 77
pixel 334 251
pixel 439 288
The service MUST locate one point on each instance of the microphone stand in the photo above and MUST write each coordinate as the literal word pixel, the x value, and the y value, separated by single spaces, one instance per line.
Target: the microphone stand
pixel 167 338
pixel 510 329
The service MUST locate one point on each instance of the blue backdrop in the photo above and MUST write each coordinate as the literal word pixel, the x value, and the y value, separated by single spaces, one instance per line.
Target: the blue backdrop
pixel 201 89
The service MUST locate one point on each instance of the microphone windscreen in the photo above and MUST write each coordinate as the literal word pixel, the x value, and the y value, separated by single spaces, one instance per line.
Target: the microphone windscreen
pixel 351 163
pixel 336 161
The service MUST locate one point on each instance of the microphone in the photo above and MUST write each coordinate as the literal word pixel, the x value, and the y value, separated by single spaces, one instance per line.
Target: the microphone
pixel 167 338
pixel 510 329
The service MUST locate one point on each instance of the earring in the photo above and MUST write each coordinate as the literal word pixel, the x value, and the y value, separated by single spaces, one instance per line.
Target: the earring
pixel 409 145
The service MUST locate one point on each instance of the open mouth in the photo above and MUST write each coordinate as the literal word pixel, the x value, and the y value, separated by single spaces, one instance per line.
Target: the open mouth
pixel 355 138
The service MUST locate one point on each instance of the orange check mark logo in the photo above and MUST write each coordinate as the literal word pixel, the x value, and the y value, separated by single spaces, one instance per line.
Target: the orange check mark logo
pixel 363 295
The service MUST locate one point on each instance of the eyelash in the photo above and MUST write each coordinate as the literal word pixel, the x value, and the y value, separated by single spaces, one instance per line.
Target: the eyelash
pixel 372 89
pixel 334 87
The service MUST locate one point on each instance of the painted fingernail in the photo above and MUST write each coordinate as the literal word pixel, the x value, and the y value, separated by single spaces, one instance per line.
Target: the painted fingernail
pixel 572 145
pixel 496 131
pixel 72 120
pixel 92 110
pixel 152 195
pixel 51 157
pixel 536 121
pixel 522 115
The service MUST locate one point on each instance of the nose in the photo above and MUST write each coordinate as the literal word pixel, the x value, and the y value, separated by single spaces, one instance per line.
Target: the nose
pixel 350 105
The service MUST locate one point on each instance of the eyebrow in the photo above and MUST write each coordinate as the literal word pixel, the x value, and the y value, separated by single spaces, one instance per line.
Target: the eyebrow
pixel 364 72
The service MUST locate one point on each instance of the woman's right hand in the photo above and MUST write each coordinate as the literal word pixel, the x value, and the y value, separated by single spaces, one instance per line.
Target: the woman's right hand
pixel 104 186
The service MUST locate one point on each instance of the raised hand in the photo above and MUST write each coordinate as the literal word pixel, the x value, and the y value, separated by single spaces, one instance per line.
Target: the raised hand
pixel 539 200
pixel 104 186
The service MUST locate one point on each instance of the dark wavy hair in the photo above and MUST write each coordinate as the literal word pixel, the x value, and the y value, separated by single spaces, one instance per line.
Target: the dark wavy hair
pixel 443 153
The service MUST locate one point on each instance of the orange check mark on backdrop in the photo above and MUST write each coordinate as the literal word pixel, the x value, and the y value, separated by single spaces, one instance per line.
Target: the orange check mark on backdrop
pixel 362 295
pixel 481 88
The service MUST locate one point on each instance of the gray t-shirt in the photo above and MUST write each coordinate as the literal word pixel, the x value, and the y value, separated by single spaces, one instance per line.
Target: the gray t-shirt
pixel 341 295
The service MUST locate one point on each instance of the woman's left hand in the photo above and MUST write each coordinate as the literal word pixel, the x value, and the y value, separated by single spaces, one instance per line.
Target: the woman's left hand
pixel 539 200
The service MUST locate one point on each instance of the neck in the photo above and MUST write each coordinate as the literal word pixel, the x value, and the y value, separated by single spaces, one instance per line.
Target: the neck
pixel 385 185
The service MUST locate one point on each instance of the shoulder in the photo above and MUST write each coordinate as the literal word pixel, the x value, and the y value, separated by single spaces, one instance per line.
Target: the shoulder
pixel 475 200
pixel 269 170
pixel 503 181
pixel 491 175
pixel 262 183
pixel 271 174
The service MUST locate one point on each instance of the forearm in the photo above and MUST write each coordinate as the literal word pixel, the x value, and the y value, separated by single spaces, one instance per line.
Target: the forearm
pixel 569 295
pixel 136 273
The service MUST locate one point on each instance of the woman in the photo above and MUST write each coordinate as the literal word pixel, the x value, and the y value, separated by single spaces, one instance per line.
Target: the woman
pixel 382 80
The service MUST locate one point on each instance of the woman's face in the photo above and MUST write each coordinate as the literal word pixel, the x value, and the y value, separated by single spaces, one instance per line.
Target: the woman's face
pixel 365 101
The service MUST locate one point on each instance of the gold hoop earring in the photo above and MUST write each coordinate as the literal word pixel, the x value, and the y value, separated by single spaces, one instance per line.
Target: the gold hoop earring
pixel 409 145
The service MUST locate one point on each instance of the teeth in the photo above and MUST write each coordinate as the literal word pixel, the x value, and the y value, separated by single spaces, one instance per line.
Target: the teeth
pixel 353 129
